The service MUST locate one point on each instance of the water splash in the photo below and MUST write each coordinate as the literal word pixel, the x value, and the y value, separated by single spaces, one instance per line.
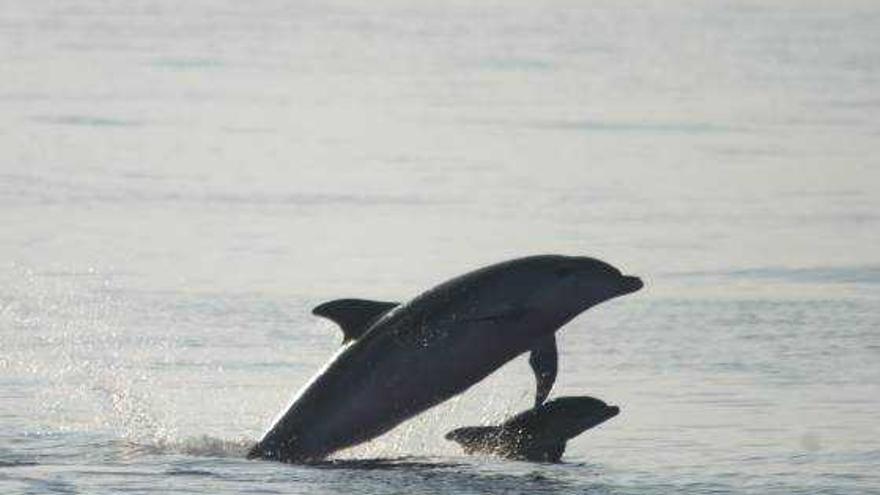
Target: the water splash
pixel 196 446
pixel 66 339
pixel 423 435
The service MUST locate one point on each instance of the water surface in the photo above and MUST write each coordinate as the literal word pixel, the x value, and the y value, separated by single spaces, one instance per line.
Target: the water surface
pixel 181 182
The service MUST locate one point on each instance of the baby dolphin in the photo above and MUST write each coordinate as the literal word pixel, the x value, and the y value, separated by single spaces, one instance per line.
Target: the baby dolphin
pixel 399 360
pixel 538 434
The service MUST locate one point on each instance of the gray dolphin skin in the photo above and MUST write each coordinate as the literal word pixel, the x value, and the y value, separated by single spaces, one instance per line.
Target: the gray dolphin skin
pixel 538 434
pixel 416 355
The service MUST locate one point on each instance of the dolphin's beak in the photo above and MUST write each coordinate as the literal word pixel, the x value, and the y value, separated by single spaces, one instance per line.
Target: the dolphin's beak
pixel 631 284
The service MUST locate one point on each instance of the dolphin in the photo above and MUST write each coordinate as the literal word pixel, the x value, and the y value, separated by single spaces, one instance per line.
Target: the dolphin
pixel 538 434
pixel 398 360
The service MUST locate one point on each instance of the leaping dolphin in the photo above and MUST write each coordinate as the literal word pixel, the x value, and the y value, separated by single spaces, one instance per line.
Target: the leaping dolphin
pixel 538 434
pixel 400 360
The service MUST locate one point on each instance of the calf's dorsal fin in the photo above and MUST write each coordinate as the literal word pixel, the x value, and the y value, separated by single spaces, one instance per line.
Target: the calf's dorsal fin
pixel 545 362
pixel 477 438
pixel 354 316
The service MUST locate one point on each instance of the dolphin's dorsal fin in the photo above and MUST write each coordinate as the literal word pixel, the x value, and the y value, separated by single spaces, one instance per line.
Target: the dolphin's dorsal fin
pixel 544 361
pixel 354 316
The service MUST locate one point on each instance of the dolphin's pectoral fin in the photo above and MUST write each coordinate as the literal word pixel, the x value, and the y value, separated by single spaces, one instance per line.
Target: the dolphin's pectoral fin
pixel 354 316
pixel 544 361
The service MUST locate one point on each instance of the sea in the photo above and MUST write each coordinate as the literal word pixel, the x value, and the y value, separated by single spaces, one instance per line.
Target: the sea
pixel 181 182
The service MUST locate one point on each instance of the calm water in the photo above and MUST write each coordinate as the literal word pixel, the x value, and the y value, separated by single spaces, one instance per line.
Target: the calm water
pixel 180 182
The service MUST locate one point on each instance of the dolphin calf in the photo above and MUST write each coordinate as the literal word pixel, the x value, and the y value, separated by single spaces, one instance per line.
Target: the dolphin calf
pixel 398 360
pixel 538 434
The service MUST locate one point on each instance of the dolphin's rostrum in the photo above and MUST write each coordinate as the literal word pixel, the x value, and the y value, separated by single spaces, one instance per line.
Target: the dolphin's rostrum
pixel 400 360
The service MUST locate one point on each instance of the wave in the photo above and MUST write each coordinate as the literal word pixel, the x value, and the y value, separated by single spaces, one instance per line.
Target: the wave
pixel 42 190
pixel 853 274
pixel 6 464
pixel 196 446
